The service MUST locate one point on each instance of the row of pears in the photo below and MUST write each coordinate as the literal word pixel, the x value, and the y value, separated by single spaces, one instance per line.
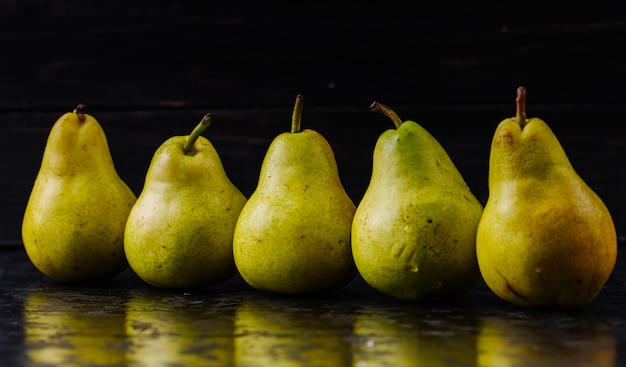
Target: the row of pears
pixel 543 238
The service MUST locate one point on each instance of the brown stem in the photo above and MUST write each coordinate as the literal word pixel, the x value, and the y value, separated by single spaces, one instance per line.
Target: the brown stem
pixel 379 107
pixel 79 111
pixel 520 105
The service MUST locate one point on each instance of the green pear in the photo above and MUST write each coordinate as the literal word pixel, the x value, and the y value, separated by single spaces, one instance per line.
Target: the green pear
pixel 545 238
pixel 179 233
pixel 293 234
pixel 73 225
pixel 414 231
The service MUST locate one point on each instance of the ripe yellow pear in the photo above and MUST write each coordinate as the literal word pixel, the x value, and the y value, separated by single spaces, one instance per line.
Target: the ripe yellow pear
pixel 545 238
pixel 414 231
pixel 293 234
pixel 73 225
pixel 179 233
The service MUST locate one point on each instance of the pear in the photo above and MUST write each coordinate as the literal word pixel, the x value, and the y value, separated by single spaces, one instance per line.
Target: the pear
pixel 179 233
pixel 414 230
pixel 545 238
pixel 293 234
pixel 73 224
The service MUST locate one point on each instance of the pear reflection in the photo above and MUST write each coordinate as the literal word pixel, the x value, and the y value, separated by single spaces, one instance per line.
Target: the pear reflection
pixel 290 334
pixel 76 330
pixel 407 338
pixel 536 340
pixel 177 330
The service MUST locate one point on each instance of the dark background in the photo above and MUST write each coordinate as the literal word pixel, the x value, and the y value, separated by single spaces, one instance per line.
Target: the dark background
pixel 148 70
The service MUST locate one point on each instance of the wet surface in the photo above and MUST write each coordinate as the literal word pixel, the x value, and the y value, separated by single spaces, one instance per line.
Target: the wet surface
pixel 127 322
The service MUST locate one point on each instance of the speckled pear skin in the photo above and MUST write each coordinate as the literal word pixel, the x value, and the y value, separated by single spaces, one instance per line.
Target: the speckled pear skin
pixel 293 235
pixel 414 231
pixel 180 232
pixel 545 238
pixel 73 225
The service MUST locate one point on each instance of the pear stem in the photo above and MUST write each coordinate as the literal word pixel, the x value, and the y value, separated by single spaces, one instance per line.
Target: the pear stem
pixel 296 117
pixel 79 111
pixel 188 148
pixel 520 105
pixel 379 107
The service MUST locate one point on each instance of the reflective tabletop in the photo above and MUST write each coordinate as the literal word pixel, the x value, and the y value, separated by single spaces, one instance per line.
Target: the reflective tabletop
pixel 124 321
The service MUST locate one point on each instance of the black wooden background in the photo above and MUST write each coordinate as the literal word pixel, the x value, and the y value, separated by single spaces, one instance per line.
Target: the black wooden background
pixel 148 70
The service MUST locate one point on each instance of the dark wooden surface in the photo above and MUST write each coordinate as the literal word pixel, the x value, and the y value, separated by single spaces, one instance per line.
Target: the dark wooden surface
pixel 126 322
pixel 148 54
pixel 185 53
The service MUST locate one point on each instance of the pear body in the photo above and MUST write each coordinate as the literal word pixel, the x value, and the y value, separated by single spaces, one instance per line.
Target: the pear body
pixel 545 238
pixel 73 224
pixel 179 232
pixel 293 234
pixel 414 230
